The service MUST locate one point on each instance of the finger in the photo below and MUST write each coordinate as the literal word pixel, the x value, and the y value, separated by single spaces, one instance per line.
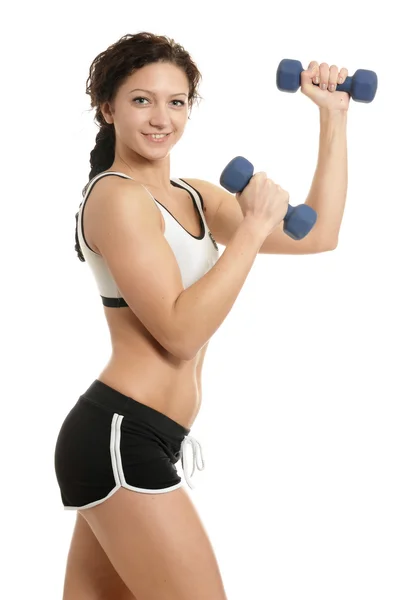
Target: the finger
pixel 313 68
pixel 324 75
pixel 343 74
pixel 333 78
pixel 260 175
pixel 307 76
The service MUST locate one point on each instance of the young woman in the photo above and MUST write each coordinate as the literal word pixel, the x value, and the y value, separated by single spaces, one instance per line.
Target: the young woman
pixel 150 242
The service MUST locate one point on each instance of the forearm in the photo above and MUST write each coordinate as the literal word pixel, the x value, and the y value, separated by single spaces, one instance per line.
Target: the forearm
pixel 328 191
pixel 201 308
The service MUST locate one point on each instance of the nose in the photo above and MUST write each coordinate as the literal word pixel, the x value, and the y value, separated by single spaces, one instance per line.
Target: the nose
pixel 159 116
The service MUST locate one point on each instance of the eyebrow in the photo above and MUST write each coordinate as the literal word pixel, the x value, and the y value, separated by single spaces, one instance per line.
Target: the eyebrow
pixel 153 94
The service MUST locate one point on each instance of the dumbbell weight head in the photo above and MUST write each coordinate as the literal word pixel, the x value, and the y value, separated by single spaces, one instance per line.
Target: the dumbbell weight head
pixel 305 218
pixel 237 174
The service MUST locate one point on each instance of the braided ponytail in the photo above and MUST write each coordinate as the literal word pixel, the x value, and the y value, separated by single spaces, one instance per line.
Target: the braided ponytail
pixel 101 158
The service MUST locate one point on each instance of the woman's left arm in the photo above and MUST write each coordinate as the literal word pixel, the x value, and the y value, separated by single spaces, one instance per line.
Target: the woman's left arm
pixel 328 192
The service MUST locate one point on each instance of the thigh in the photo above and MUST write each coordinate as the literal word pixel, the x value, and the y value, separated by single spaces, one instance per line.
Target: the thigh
pixel 158 545
pixel 89 573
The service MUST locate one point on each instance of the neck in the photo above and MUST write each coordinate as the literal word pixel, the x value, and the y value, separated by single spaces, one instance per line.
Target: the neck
pixel 153 175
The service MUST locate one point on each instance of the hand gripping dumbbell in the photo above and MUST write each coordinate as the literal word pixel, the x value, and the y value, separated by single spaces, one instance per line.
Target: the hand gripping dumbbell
pixel 362 86
pixel 298 221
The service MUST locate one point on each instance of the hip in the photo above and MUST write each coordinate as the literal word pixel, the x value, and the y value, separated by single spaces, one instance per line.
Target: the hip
pixel 176 394
pixel 108 441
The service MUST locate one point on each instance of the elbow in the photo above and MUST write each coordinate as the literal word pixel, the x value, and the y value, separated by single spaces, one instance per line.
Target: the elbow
pixel 181 350
pixel 188 356
pixel 322 239
pixel 184 354
pixel 187 353
pixel 179 342
pixel 328 245
pixel 333 245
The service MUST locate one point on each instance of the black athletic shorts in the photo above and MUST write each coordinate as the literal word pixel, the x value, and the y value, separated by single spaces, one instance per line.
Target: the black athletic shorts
pixel 109 440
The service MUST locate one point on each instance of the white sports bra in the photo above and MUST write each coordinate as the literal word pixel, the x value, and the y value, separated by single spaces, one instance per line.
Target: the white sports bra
pixel 195 255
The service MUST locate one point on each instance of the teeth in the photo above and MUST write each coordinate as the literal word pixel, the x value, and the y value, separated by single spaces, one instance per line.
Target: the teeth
pixel 158 136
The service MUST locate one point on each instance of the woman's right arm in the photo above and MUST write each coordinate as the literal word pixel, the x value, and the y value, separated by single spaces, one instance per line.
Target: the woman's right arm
pixel 125 227
pixel 202 307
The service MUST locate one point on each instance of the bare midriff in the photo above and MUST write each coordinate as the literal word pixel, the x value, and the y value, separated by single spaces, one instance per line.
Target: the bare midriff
pixel 142 369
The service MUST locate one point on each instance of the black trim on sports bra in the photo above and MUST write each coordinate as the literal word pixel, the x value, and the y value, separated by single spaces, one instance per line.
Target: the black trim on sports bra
pixel 195 190
pixel 201 221
pixel 89 192
pixel 114 302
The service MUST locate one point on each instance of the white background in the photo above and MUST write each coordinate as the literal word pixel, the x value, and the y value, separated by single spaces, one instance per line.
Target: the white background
pixel 308 416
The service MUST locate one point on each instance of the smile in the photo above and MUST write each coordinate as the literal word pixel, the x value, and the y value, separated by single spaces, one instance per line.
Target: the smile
pixel 156 137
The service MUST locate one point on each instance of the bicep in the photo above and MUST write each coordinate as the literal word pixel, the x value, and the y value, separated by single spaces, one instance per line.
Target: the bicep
pixel 128 236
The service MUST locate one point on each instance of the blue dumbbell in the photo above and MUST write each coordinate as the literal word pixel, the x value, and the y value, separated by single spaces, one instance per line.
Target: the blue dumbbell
pixel 362 86
pixel 298 221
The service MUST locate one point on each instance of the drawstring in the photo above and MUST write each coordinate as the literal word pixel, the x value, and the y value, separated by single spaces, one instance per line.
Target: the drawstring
pixel 195 445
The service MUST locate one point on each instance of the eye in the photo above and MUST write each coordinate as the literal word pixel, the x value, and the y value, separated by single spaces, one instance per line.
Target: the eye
pixel 142 98
pixel 139 98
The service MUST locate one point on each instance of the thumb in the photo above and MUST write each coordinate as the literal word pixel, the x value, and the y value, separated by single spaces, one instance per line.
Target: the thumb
pixel 308 76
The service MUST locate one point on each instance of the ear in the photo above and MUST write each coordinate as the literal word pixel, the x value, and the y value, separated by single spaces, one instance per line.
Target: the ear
pixel 107 112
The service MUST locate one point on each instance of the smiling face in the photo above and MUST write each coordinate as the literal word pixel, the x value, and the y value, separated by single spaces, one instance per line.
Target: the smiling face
pixel 154 99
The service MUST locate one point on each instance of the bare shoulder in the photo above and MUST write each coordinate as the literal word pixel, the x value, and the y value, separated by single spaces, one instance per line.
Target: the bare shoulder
pixel 106 194
pixel 107 186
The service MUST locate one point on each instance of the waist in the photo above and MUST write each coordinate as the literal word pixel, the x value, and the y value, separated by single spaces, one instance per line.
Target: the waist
pixel 173 392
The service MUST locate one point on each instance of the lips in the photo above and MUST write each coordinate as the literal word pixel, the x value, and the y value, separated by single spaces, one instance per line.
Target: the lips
pixel 156 141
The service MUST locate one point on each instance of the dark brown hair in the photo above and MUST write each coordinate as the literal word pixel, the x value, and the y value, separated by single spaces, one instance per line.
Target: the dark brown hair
pixel 108 72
